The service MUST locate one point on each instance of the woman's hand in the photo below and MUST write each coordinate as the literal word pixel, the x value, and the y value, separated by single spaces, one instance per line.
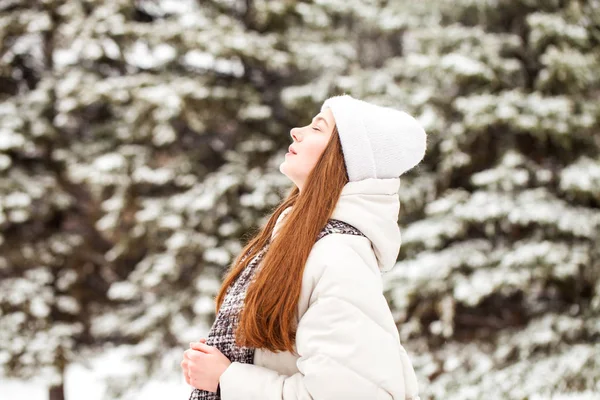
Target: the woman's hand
pixel 185 365
pixel 203 365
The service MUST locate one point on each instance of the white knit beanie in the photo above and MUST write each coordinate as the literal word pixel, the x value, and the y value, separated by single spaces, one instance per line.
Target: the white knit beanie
pixel 377 142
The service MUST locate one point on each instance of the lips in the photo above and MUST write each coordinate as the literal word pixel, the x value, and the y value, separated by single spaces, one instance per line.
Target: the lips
pixel 291 150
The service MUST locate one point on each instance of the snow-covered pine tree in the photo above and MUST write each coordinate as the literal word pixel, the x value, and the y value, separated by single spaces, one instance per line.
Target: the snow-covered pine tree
pixel 140 143
pixel 497 292
pixel 113 113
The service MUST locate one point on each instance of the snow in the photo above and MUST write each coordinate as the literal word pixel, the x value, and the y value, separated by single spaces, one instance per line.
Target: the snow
pixel 38 307
pixel 109 162
pixel 462 65
pixel 217 255
pixel 153 269
pixel 546 25
pixel 582 176
pixel 255 112
pixel 111 49
pixel 205 60
pixel 17 199
pixel 161 95
pixel 204 306
pixel 178 240
pixel 122 291
pixel 5 162
pixel 82 382
pixel 149 211
pixel 170 221
pixel 143 56
pixel 199 59
pixel 432 232
pixel 68 304
pixel 10 140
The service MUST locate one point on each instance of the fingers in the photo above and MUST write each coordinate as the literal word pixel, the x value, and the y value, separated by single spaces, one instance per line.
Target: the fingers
pixel 186 373
pixel 200 346
pixel 193 354
pixel 202 340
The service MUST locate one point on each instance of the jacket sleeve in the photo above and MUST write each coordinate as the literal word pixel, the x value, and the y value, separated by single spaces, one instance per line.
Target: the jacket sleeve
pixel 347 347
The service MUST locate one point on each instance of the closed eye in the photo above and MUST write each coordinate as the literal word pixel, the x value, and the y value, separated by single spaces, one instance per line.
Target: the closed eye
pixel 317 129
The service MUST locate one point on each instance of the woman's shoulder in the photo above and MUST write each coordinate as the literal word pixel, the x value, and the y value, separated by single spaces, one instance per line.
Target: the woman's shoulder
pixel 342 252
pixel 343 267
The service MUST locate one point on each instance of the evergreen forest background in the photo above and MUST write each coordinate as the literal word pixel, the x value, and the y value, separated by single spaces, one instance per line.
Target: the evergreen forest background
pixel 140 143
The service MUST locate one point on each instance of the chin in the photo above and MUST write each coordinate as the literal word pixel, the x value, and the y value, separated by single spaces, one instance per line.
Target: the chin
pixel 283 171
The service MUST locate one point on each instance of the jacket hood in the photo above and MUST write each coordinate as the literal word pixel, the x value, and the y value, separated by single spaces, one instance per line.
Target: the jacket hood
pixel 372 206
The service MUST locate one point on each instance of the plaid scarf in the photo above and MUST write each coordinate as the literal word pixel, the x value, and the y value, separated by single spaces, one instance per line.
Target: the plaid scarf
pixel 222 332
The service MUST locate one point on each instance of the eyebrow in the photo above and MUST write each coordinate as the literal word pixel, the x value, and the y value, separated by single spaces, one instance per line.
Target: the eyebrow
pixel 324 120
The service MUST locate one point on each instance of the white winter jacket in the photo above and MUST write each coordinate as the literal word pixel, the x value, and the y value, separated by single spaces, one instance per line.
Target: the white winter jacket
pixel 346 337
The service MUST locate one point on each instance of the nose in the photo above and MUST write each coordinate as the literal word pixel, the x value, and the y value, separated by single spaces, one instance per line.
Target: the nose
pixel 294 134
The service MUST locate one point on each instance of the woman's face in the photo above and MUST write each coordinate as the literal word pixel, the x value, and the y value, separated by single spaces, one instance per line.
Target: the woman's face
pixel 309 143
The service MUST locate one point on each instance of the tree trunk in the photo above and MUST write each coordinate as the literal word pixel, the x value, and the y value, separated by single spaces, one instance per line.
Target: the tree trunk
pixel 57 392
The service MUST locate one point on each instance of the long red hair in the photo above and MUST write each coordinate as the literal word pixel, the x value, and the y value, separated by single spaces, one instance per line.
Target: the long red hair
pixel 269 316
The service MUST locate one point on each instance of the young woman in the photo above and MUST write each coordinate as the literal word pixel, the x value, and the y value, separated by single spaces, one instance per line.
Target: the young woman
pixel 307 318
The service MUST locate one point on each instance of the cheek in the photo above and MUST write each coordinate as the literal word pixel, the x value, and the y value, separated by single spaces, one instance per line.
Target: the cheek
pixel 301 164
pixel 310 156
pixel 313 152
